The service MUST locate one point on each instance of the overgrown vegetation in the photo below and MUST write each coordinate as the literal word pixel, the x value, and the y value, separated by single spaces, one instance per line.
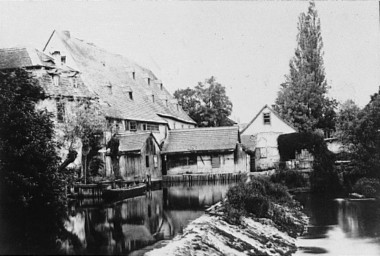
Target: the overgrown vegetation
pixel 368 187
pixel 261 198
pixel 324 178
pixel 289 178
pixel 85 126
pixel 29 176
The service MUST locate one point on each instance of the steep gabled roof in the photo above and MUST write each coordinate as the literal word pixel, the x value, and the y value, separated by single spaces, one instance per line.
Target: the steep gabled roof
pixel 65 87
pixel 109 76
pixel 23 57
pixel 133 142
pixel 274 112
pixel 201 139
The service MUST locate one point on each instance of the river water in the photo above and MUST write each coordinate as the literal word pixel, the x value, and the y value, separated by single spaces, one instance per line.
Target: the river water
pixel 340 226
pixel 134 226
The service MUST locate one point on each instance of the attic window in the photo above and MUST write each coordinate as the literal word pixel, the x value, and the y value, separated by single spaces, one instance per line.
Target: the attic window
pixel 109 86
pixel 152 98
pixel 161 87
pixel 177 107
pixel 266 117
pixel 63 59
pixel 166 102
pixel 148 80
pixel 134 75
pixel 130 95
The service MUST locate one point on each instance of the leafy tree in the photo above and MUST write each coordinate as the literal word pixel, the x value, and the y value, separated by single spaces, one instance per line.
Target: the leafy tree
pixel 85 125
pixel 346 124
pixel 302 98
pixel 31 188
pixel 365 139
pixel 207 104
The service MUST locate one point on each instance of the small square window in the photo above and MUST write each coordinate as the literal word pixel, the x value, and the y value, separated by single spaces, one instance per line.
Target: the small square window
pixel 132 126
pixel 266 117
pixel 215 161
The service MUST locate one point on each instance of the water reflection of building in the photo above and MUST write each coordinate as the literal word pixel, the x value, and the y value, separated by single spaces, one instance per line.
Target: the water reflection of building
pixel 141 221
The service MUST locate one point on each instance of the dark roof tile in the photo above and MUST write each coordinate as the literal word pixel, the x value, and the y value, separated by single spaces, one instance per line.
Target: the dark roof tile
pixel 201 139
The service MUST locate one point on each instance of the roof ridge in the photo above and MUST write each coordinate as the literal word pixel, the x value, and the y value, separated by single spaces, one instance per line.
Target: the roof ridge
pixel 206 128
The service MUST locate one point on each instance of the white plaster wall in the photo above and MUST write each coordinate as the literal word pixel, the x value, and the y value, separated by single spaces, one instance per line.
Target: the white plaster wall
pixel 174 124
pixel 276 125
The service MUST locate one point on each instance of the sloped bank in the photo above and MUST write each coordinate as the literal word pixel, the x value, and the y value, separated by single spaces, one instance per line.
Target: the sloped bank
pixel 217 233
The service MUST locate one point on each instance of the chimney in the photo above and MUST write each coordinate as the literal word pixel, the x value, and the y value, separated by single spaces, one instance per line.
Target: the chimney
pixel 66 33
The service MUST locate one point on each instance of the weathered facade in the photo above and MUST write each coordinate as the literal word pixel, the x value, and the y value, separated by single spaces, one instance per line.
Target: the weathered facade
pixel 139 156
pixel 259 138
pixel 132 98
pixel 62 84
pixel 204 151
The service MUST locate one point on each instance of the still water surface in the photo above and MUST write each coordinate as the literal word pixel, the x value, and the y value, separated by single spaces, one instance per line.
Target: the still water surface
pixel 130 226
pixel 133 226
pixel 340 226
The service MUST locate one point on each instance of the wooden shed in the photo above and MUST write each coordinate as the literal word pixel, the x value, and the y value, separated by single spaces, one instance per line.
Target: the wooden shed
pixel 139 156
pixel 213 150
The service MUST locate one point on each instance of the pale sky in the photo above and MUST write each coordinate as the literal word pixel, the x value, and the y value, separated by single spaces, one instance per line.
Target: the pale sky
pixel 246 45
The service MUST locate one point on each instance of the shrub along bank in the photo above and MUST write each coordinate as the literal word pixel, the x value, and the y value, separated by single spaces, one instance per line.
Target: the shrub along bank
pixel 257 218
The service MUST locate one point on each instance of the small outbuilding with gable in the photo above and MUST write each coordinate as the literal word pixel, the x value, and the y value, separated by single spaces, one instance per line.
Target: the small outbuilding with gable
pixel 259 138
pixel 139 156
pixel 204 151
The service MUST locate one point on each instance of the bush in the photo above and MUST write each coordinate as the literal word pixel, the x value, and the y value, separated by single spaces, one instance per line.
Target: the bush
pixel 291 179
pixel 255 197
pixel 369 187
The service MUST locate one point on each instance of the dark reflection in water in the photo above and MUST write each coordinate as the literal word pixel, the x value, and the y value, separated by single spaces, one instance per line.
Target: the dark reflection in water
pixel 135 223
pixel 340 226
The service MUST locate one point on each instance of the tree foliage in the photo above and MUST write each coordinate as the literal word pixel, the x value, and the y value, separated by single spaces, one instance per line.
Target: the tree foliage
pixel 207 104
pixel 302 98
pixel 346 122
pixel 363 138
pixel 31 188
pixel 84 125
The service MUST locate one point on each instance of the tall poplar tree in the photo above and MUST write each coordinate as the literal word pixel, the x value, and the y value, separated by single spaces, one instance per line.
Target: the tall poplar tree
pixel 302 99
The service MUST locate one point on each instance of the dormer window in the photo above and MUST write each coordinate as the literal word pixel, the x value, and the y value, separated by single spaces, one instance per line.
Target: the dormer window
pixel 130 95
pixel 266 117
pixel 109 88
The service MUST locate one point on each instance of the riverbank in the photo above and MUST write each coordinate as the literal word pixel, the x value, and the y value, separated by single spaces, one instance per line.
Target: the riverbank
pixel 211 234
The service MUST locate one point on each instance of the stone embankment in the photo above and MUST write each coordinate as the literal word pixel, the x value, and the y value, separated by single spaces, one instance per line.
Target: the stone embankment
pixel 211 234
